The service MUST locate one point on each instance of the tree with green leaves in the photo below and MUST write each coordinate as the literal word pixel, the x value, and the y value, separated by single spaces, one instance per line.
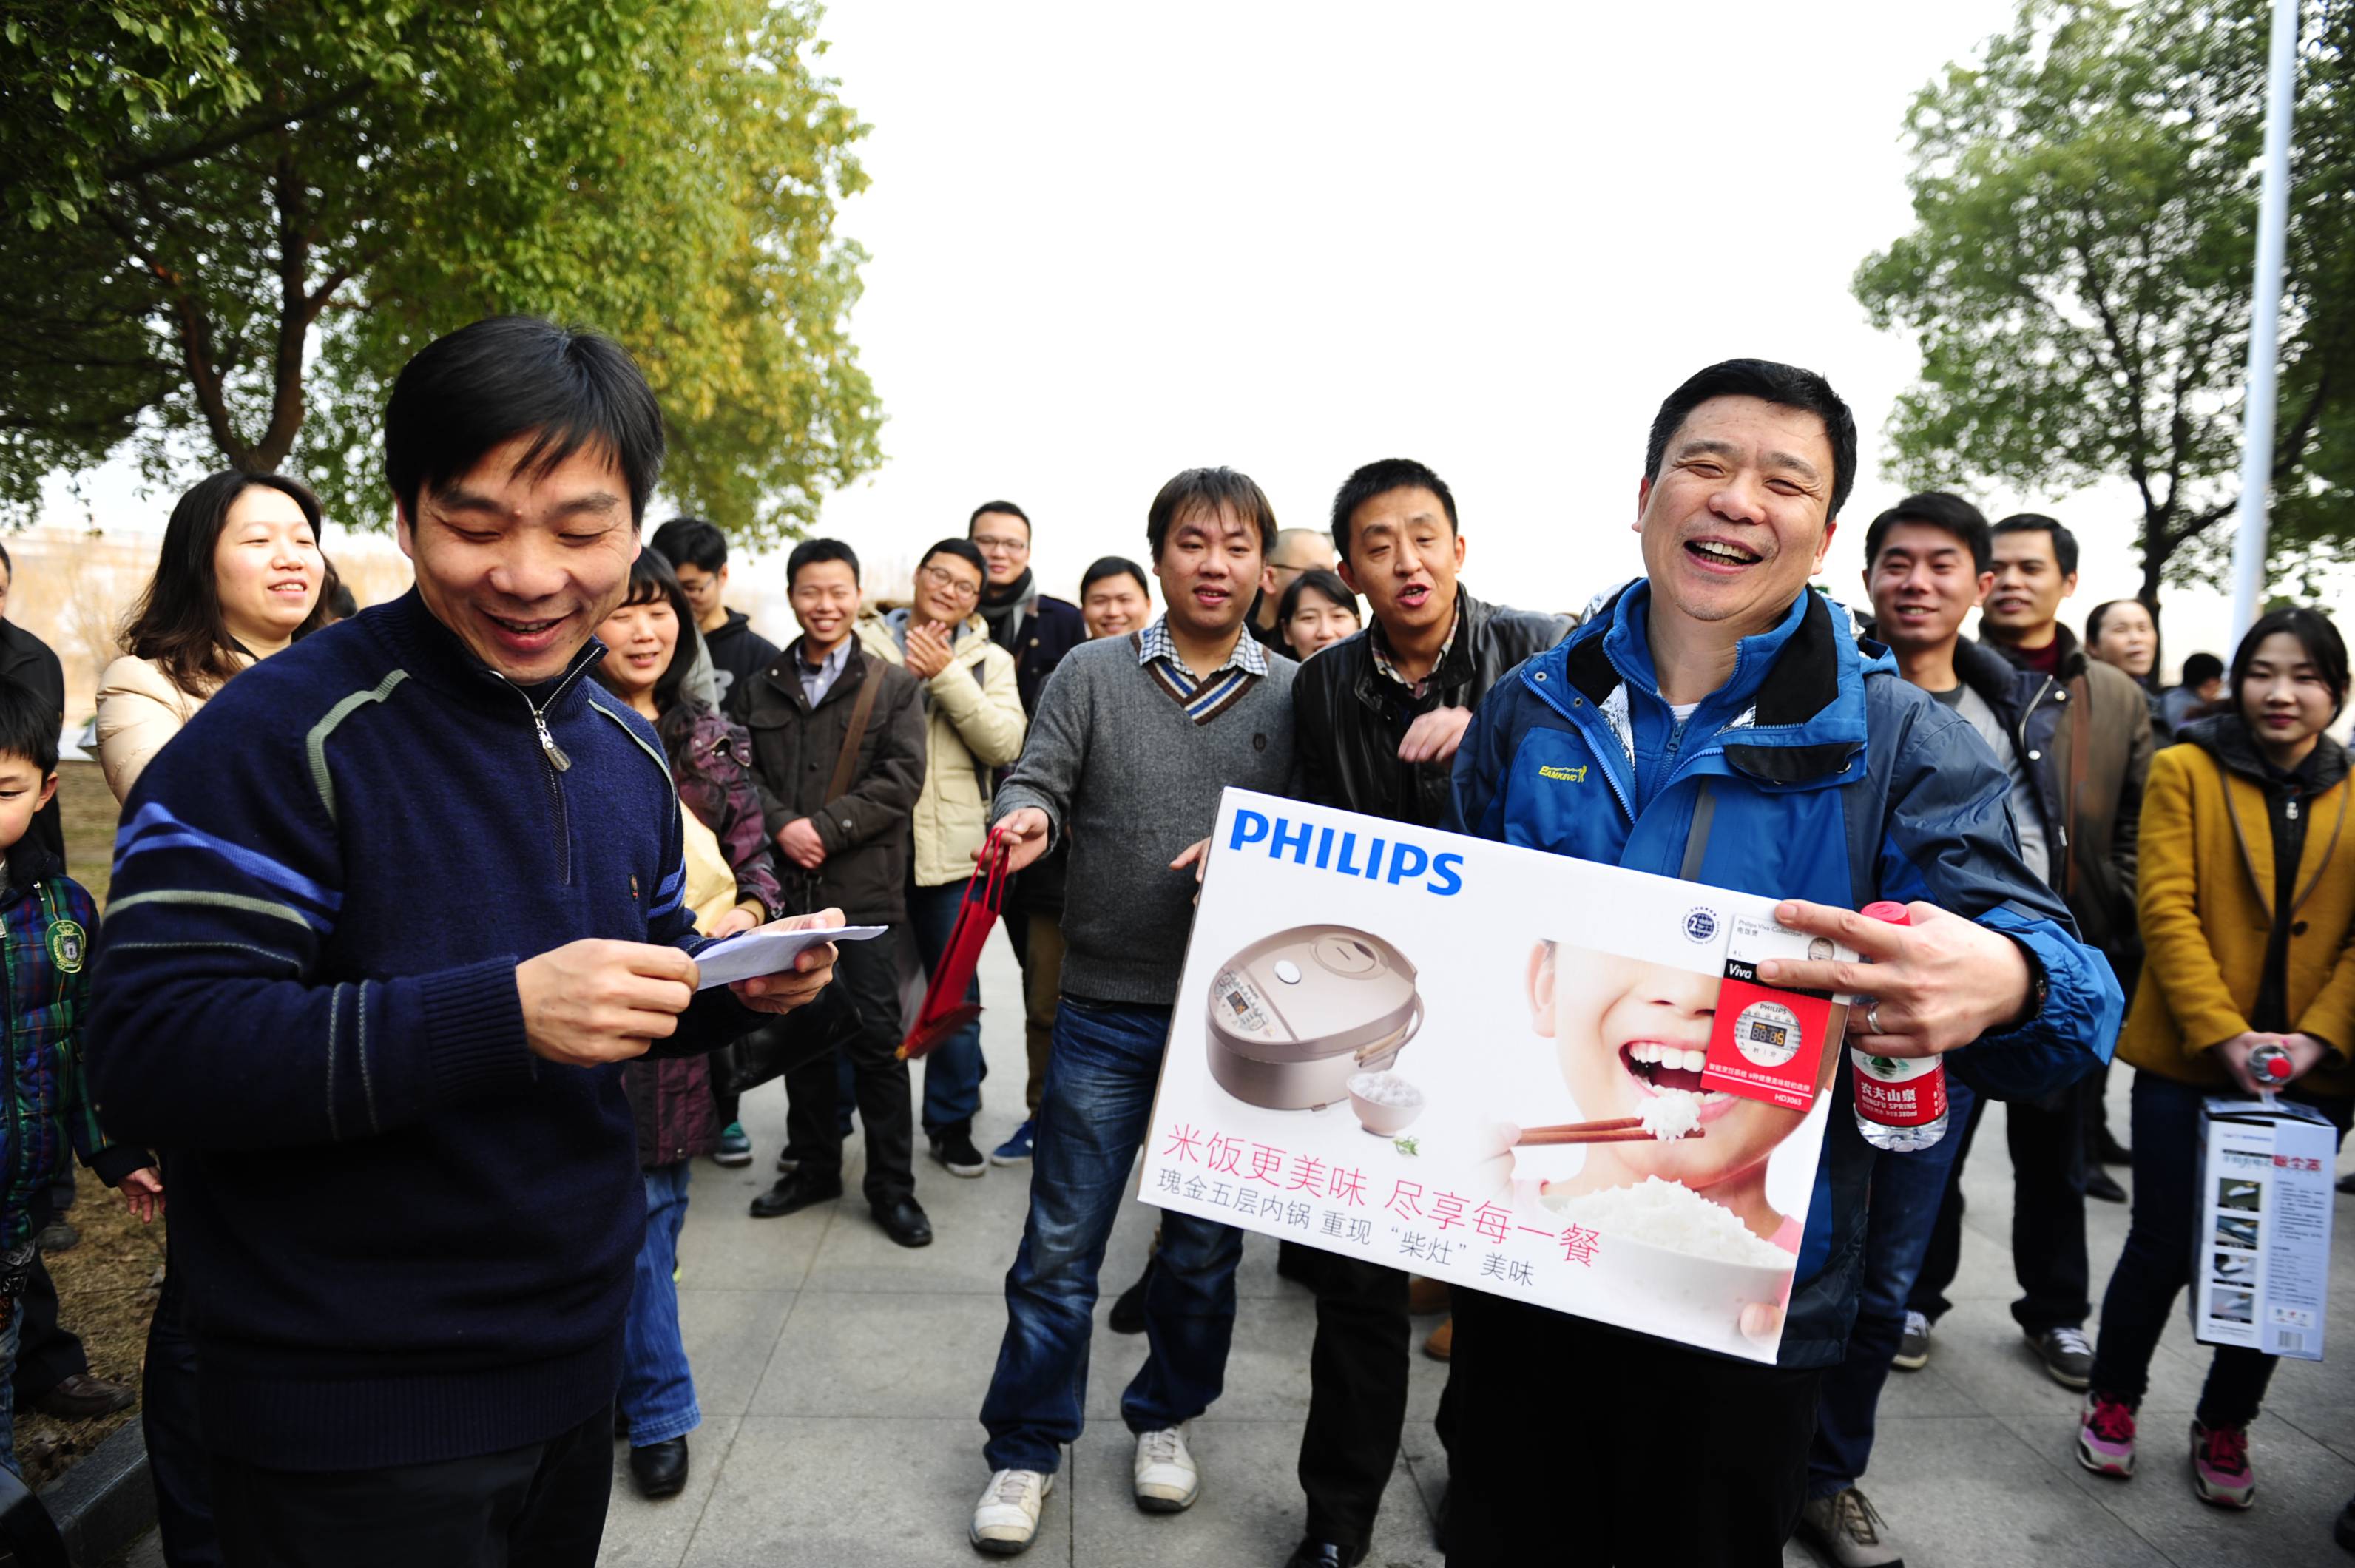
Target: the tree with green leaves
pixel 229 223
pixel 2079 275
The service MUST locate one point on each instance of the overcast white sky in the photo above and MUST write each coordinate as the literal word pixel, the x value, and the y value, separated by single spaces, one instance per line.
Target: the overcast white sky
pixel 1109 242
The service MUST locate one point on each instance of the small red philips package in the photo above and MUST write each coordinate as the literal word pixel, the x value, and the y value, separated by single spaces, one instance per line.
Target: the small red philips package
pixel 945 1009
pixel 1766 1043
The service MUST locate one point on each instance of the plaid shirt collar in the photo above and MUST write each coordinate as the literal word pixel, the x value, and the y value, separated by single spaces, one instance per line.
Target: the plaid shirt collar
pixel 1378 645
pixel 1153 642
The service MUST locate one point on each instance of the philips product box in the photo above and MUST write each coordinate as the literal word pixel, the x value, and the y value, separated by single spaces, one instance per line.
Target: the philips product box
pixel 2261 1252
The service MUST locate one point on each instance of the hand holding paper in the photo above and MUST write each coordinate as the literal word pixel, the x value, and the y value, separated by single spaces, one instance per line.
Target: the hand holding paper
pixel 783 965
pixel 596 1000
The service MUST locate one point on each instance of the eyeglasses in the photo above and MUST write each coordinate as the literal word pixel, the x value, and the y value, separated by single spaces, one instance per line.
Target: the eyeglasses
pixel 950 583
pixel 1005 543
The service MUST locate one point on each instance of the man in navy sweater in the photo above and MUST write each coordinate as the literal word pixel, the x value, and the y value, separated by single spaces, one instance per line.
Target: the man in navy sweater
pixel 386 916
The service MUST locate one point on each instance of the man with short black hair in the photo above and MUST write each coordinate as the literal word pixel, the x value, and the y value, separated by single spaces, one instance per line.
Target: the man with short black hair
pixel 1135 743
pixel 973 727
pixel 2087 726
pixel 1037 629
pixel 1719 679
pixel 390 912
pixel 2202 683
pixel 838 754
pixel 1377 718
pixel 698 552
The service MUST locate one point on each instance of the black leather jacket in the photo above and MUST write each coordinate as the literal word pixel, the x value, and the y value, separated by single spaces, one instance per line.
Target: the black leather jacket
pixel 1349 718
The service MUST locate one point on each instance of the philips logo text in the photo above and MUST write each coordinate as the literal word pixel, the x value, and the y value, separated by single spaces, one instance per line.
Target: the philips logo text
pixel 1344 853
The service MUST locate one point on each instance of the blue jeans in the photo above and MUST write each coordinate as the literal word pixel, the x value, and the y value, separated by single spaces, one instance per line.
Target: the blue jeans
pixel 658 1387
pixel 1093 1113
pixel 954 1069
pixel 1907 1190
pixel 2156 1262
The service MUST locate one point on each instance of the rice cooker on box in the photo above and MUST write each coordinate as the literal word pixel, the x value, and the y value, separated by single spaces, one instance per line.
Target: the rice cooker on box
pixel 1295 1015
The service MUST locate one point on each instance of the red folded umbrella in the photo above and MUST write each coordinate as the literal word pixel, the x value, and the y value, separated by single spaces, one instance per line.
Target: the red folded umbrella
pixel 945 1009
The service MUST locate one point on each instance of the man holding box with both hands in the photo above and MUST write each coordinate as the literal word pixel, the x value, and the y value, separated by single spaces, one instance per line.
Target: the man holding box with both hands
pixel 1748 738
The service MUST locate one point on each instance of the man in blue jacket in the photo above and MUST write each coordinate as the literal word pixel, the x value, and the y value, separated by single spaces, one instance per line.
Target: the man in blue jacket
pixel 1741 735
pixel 385 917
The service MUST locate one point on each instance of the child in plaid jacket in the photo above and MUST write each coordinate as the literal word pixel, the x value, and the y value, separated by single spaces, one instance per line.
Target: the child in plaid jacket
pixel 47 923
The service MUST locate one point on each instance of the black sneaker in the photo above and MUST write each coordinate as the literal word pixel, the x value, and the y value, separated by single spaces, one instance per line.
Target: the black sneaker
pixel 953 1146
pixel 2068 1355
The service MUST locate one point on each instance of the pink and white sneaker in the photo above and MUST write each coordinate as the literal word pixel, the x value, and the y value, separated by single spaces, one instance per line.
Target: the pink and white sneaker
pixel 2105 1436
pixel 2220 1466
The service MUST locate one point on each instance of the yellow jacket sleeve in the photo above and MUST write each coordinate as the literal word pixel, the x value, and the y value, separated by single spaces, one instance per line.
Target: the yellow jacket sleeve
pixel 2176 949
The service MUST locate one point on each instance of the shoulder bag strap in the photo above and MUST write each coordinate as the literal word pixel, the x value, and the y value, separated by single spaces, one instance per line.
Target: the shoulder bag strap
pixel 861 707
pixel 2081 744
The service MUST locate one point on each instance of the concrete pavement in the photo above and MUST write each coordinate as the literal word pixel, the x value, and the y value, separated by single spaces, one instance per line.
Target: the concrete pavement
pixel 840 1377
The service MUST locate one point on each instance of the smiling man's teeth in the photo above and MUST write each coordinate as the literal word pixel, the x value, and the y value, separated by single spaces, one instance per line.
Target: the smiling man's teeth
pixel 1726 553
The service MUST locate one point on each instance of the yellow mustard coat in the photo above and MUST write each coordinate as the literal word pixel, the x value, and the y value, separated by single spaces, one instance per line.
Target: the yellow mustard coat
pixel 2205 897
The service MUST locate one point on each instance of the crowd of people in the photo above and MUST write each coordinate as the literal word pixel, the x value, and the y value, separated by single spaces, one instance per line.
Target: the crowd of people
pixel 400 955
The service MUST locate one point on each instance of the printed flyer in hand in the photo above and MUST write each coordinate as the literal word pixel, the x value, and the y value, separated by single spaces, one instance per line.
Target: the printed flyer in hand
pixel 1526 1074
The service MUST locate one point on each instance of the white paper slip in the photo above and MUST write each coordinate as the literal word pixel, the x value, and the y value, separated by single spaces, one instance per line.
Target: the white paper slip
pixel 767 952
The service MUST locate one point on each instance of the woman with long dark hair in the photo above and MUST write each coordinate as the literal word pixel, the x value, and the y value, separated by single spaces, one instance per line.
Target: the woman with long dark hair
pixel 2246 894
pixel 651 654
pixel 238 579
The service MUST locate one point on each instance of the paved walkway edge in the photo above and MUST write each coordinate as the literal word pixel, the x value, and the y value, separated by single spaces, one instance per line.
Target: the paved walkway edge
pixel 106 1502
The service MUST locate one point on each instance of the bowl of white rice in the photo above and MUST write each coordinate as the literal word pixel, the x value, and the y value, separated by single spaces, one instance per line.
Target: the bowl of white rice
pixel 1691 1262
pixel 1386 1104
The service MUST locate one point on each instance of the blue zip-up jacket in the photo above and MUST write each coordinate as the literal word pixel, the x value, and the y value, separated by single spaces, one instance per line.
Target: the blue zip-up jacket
pixel 1813 773
pixel 405 1237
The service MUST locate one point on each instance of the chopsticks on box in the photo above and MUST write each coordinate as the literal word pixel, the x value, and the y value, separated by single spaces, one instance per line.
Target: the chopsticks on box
pixel 1617 1130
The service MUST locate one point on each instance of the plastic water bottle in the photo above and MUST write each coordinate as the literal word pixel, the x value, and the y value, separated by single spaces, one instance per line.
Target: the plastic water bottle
pixel 1901 1101
pixel 2269 1064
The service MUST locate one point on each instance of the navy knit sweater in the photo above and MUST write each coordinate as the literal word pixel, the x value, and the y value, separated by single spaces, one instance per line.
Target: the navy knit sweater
pixel 405 1237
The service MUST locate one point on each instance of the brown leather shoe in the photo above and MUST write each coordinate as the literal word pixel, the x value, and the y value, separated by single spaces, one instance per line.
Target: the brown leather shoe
pixel 81 1396
pixel 1425 1297
pixel 1441 1343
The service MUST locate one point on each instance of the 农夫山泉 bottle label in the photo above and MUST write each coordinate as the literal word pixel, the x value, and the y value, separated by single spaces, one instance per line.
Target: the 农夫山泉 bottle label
pixel 1899 1090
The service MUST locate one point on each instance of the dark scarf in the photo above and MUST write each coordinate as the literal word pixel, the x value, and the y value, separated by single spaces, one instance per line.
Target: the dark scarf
pixel 1001 608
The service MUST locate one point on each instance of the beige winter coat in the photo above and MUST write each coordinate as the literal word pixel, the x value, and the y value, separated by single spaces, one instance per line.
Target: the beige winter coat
pixel 973 725
pixel 139 709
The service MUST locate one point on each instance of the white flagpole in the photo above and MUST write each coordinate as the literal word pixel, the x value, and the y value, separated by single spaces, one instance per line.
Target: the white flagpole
pixel 2264 326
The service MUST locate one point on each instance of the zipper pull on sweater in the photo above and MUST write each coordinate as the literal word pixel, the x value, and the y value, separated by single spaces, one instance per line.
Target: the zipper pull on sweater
pixel 555 757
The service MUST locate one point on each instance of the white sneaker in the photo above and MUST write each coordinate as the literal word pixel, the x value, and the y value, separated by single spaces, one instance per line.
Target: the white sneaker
pixel 1167 1480
pixel 1005 1521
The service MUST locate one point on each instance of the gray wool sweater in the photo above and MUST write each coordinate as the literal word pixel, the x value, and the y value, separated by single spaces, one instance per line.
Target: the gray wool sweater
pixel 1120 769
